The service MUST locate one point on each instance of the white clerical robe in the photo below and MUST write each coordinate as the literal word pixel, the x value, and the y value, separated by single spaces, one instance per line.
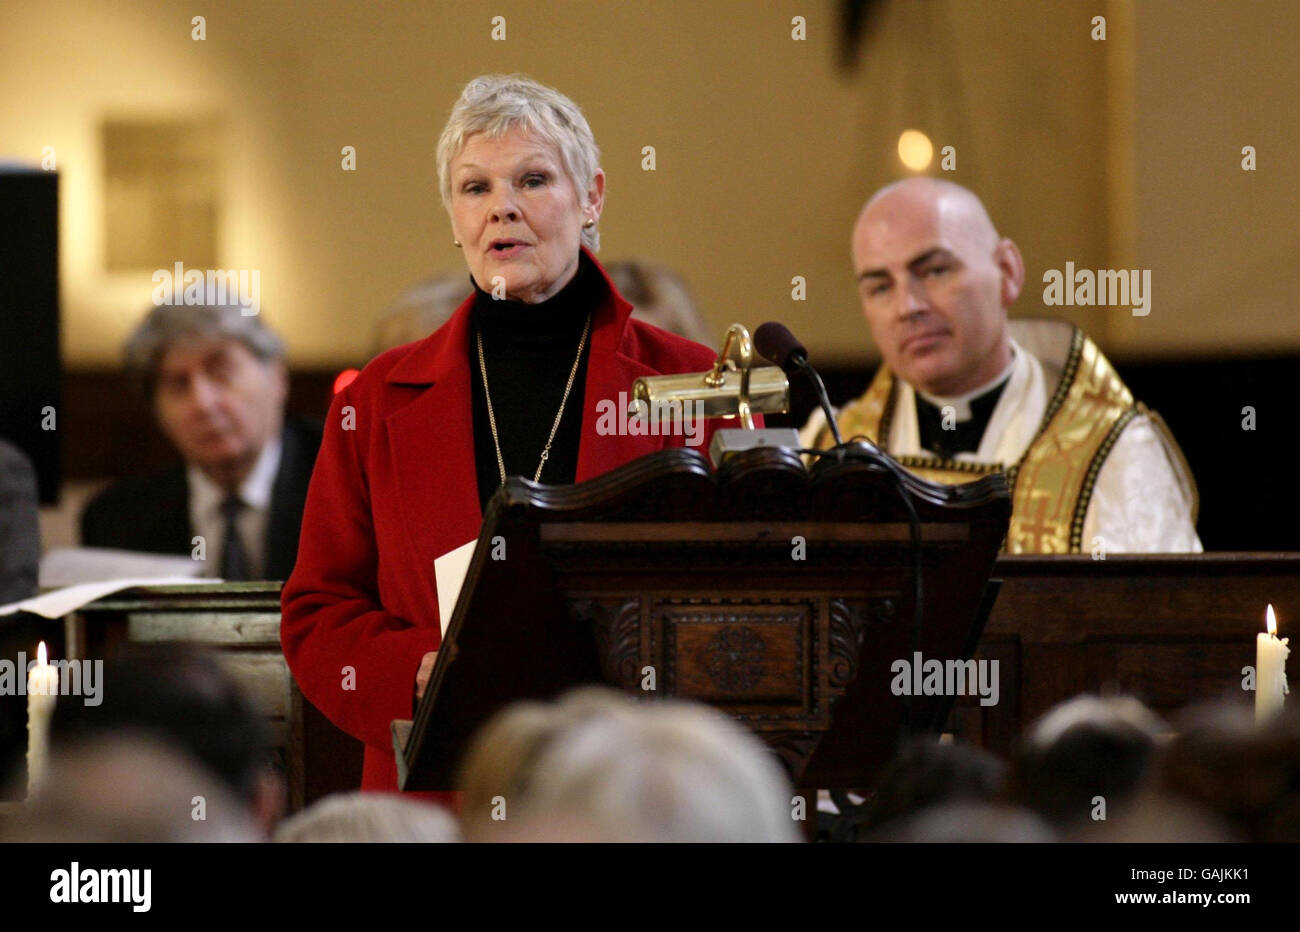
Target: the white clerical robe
pixel 1142 501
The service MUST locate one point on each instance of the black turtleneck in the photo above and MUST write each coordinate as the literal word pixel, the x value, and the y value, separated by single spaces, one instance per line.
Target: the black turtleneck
pixel 965 436
pixel 529 351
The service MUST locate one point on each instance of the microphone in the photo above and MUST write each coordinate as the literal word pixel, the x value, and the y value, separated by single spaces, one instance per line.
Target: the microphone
pixel 774 341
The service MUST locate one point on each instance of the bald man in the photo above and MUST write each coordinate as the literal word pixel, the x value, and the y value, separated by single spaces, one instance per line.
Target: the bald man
pixel 964 392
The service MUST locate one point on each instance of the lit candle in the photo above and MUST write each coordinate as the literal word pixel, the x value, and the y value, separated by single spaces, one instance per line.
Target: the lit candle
pixel 1270 670
pixel 42 687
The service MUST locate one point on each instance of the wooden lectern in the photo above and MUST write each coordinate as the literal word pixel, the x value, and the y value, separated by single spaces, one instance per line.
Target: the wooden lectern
pixel 778 595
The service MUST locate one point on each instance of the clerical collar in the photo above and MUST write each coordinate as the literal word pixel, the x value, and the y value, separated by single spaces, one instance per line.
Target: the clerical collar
pixel 963 405
pixel 948 426
pixel 556 319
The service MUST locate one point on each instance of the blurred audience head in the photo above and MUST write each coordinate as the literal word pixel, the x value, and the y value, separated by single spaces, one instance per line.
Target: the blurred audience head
pixel 1246 774
pixel 660 297
pixel 926 772
pixel 1085 753
pixel 598 766
pixel 1155 817
pixel 217 382
pixel 126 786
pixel 966 822
pixel 369 817
pixel 181 697
pixel 421 310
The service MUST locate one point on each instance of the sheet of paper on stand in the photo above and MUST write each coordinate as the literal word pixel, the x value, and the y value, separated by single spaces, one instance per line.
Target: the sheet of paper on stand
pixel 60 602
pixel 68 566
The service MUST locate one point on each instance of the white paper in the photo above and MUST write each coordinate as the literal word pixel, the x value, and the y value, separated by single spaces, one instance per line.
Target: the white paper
pixel 70 566
pixel 58 603
pixel 449 571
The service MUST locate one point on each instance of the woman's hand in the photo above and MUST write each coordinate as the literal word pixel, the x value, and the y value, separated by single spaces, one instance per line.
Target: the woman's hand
pixel 422 675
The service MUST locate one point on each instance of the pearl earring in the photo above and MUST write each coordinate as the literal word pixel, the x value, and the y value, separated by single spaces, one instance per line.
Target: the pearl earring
pixel 456 243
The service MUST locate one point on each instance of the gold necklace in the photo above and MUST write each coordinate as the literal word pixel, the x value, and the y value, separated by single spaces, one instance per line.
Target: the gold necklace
pixel 492 419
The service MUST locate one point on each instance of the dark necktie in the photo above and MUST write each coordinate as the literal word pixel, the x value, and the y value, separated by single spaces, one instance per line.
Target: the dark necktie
pixel 234 558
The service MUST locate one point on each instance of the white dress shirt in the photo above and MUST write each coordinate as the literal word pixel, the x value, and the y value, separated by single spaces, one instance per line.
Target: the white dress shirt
pixel 255 491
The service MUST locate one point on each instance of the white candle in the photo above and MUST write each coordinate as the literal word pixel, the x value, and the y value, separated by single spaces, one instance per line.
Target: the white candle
pixel 42 687
pixel 1270 670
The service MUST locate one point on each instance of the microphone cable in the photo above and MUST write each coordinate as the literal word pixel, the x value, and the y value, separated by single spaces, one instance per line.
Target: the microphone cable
pixel 918 579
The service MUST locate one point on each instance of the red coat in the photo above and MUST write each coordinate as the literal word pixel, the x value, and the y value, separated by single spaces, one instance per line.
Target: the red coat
pixel 398 490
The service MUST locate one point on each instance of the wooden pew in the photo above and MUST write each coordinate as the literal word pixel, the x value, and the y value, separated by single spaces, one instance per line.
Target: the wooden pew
pixel 1169 629
pixel 241 621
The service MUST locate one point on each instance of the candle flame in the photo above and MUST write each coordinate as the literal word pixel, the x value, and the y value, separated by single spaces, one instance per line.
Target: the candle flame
pixel 1271 620
pixel 40 654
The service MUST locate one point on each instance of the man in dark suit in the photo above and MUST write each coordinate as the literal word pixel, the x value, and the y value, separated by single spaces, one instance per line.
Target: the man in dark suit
pixel 20 533
pixel 218 383
pixel 20 556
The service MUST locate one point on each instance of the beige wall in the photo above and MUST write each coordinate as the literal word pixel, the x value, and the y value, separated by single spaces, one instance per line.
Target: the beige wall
pixel 765 150
pixel 1223 244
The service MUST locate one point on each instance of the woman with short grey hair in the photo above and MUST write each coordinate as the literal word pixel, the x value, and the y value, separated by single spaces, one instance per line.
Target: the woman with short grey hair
pixel 495 104
pixel 513 384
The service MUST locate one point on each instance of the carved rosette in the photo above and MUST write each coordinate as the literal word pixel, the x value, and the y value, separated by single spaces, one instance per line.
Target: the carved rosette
pixel 734 658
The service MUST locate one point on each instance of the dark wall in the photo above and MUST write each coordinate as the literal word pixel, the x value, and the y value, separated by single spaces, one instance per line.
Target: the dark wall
pixel 1243 475
pixel 108 431
pixel 29 320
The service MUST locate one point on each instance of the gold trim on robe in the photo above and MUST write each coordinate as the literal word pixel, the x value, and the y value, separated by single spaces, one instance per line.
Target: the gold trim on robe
pixel 1052 483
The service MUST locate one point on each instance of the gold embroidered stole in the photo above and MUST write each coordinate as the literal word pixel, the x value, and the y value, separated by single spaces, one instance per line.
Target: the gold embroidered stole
pixel 1053 482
